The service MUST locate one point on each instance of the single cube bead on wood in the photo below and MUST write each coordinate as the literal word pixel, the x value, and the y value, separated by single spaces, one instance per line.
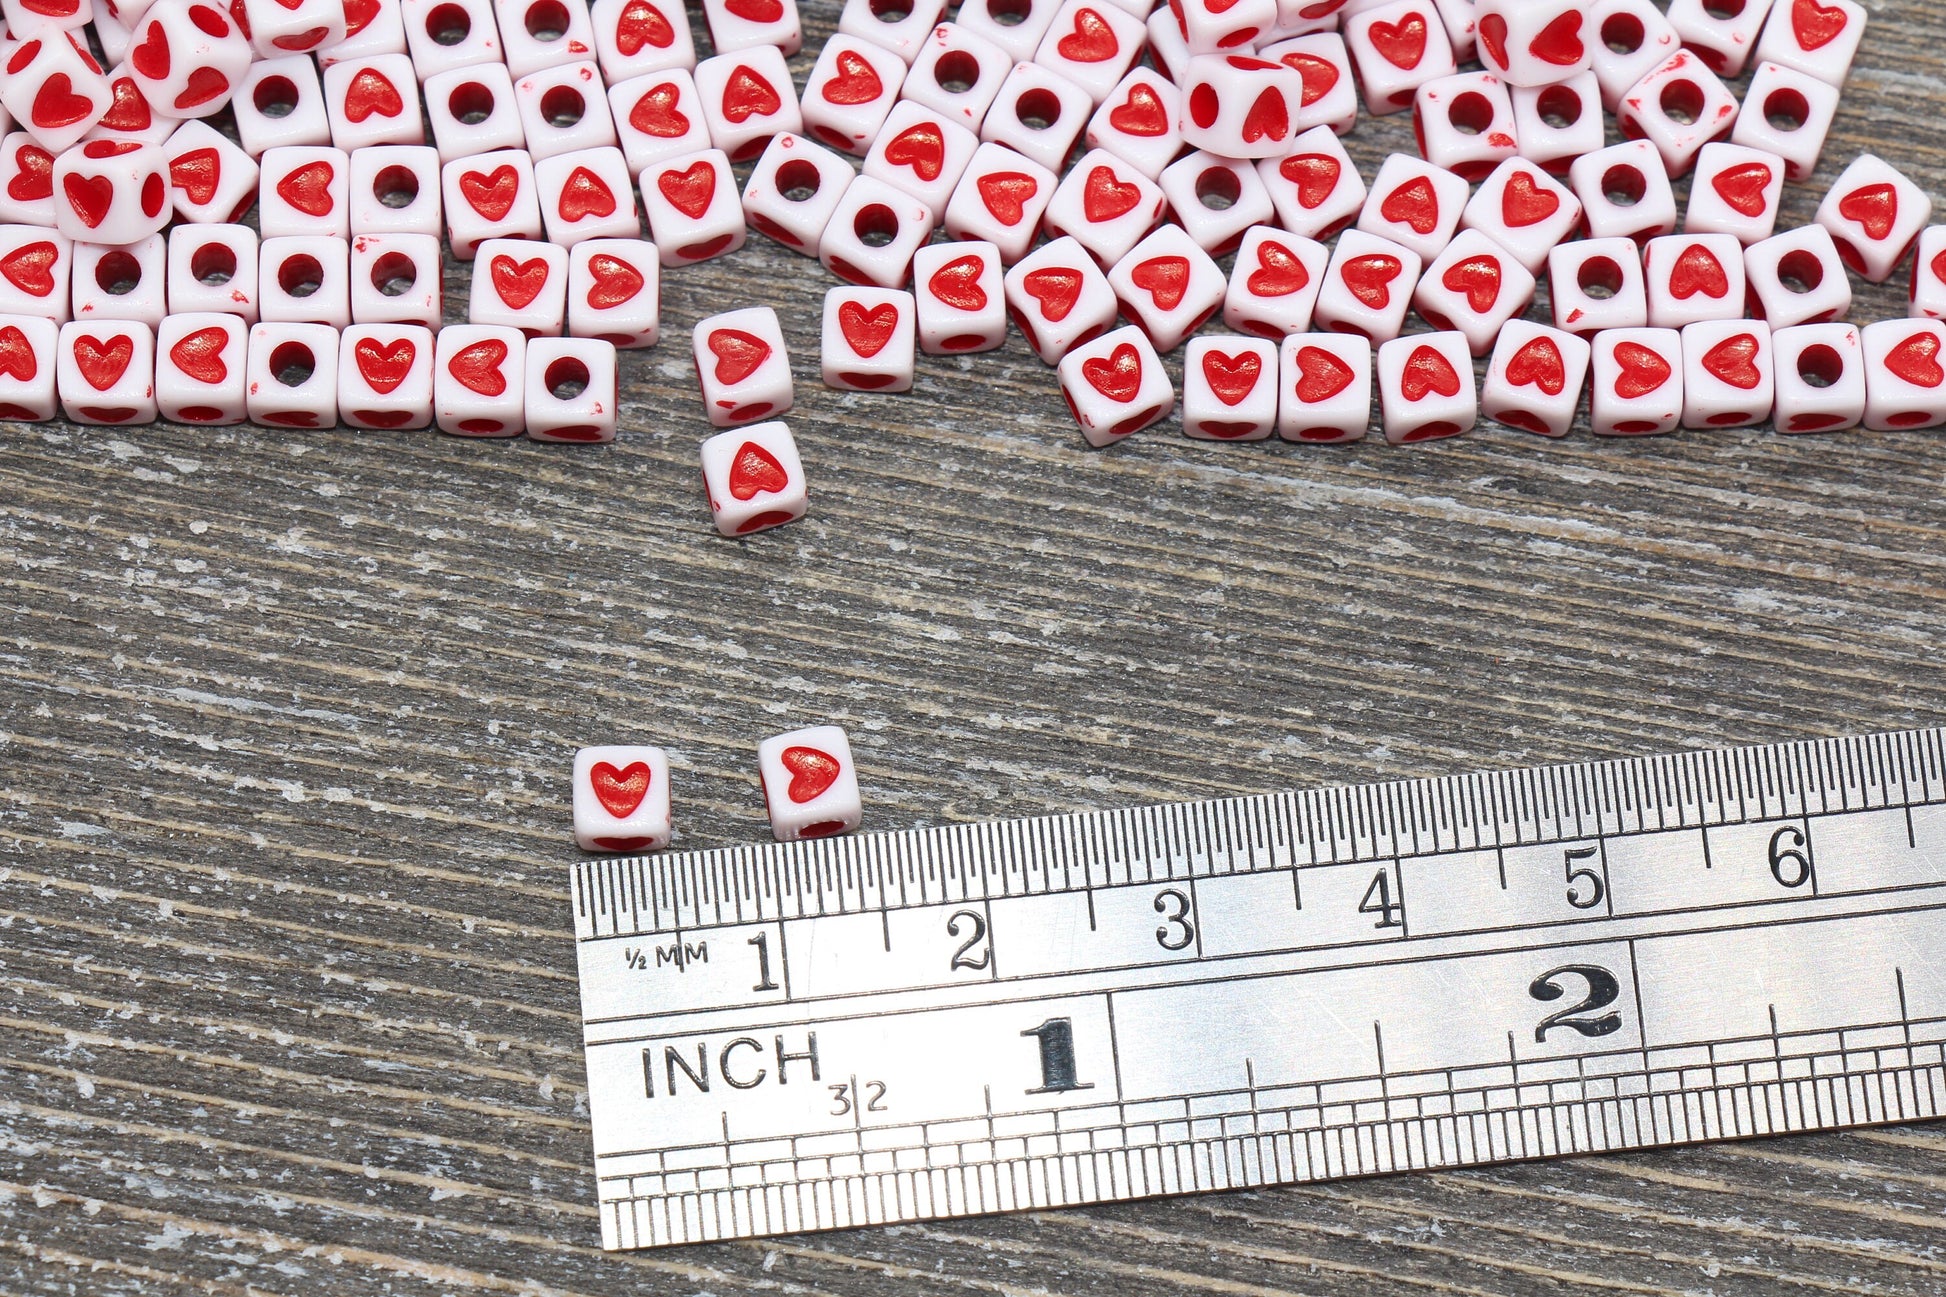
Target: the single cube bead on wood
pixel 1367 287
pixel 1790 115
pixel 304 190
pixel 1905 384
pixel 747 25
pixel 747 97
pixel 1139 122
pixel 1624 191
pixel 1465 124
pixel 636 37
pixel 1736 191
pixel 1038 114
pixel 1678 107
pixel 1630 39
pixel 111 191
pixel 520 284
pixel 563 109
pixel 1728 381
pixel 793 191
pixel 491 196
pixel 28 348
pixel 373 101
pixel 961 304
pixel 1816 37
pixel 1330 96
pixel 210 178
pixel 1415 204
pixel 1398 47
pixel 1104 204
pixel 1597 284
pixel 36 271
pixel 1636 382
pixel 1797 278
pixel 692 207
pixel 1168 286
pixel 873 234
pixel 922 153
pixel 658 116
pixel 742 365
pixel 957 73
pixel 1059 298
pixel 385 376
pixel 1240 106
pixel 1473 288
pixel 1274 285
pixel 1000 200
pixel 1535 378
pixel 473 110
pixel 1425 388
pixel 1314 189
pixel 1115 386
pixel 621 798
pixel 1215 199
pixel 851 90
pixel 105 372
pixel 868 339
pixel 615 292
pixel 1721 32
pixel 1820 371
pixel 1874 215
pixel 1558 123
pixel 1092 44
pixel 394 189
pixel 1693 277
pixel 201 368
pixel 1524 210
pixel 1229 389
pixel 293 375
pixel 479 380
pixel 122 283
pixel 570 390
pixel 754 479
pixel 1534 42
pixel 1326 388
pixel 810 783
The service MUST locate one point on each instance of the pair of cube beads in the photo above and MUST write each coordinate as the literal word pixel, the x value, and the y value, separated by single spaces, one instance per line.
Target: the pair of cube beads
pixel 809 782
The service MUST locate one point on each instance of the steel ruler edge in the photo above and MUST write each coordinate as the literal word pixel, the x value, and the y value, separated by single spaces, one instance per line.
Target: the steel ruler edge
pixel 1269 989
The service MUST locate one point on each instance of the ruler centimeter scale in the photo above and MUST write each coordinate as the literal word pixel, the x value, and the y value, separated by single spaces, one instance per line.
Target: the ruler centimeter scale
pixel 1266 990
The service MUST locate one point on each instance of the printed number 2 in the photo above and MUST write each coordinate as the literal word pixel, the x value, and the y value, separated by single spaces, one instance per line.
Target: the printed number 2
pixel 975 934
pixel 1603 990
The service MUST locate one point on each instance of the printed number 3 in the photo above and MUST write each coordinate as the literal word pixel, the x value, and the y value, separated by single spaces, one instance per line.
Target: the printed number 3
pixel 1176 931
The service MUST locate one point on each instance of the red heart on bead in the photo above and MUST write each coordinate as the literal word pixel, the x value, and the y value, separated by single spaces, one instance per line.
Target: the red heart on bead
pixel 1875 207
pixel 655 113
pixel 1231 378
pixel 619 791
pixel 150 55
pixel 372 92
pixel 493 193
pixel 308 188
pixel 756 11
pixel 1279 272
pixel 584 194
pixel 1091 41
pixel 199 354
pixel 748 95
pixel 1415 204
pixel 1478 277
pixel 1320 76
pixel 1643 371
pixel 358 15
pixel 1141 114
pixel 1743 186
pixel 1320 375
pixel 691 190
pixel 812 771
pixel 1402 43
pixel 128 110
pixel 34 177
pixel 1559 42
pixel 867 329
pixel 1697 271
pixel 754 470
pixel 1816 25
pixel 1314 174
pixel 854 81
pixel 1539 363
pixel 920 147
pixel 1165 279
pixel 1427 370
pixel 17 354
pixel 957 284
pixel 1523 202
pixel 737 354
pixel 1056 289
pixel 299 42
pixel 1492 33
pixel 1117 377
pixel 89 196
pixel 384 365
pixel 103 363
pixel 30 267
pixel 1005 194
pixel 1268 119
pixel 1104 196
pixel 1916 360
pixel 1734 360
pixel 1370 278
pixel 203 85
pixel 57 105
pixel 477 367
pixel 641 23
pixel 615 281
pixel 518 282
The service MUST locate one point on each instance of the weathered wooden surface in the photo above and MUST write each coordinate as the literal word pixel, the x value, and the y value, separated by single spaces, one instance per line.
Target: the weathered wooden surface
pixel 287 721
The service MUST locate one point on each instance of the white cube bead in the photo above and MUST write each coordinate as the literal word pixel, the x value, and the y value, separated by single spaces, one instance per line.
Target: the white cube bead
pixel 304 278
pixel 385 376
pixel 1875 215
pixel 658 116
pixel 29 347
pixel 1425 387
pixel 1104 204
pixel 293 375
pixel 201 365
pixel 1140 122
pixel 105 372
pixel 1693 277
pixel 1535 378
pixel 873 234
pixel 1059 298
pixel 570 390
pixel 1905 383
pixel 564 109
pixel 960 300
pixel 1368 286
pixel 1168 286
pixel 1474 288
pixel 520 284
pixel 1326 387
pixel 621 798
pixel 868 339
pixel 810 783
pixel 742 365
pixel 1229 389
pixel 1524 210
pixel 1797 278
pixel 1315 188
pixel 1597 284
pixel 489 196
pixel 1636 381
pixel 1625 192
pixel 1274 286
pixel 754 478
pixel 303 190
pixel 692 207
pixel 1728 381
pixel 128 283
pixel 1820 378
pixel 615 292
pixel 1790 114
pixel 1415 204
pixel 479 380
pixel 1115 386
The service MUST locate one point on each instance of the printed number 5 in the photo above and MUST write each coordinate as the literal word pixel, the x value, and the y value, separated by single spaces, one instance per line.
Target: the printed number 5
pixel 1589 899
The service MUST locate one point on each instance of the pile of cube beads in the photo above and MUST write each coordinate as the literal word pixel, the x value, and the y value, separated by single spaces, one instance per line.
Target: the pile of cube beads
pixel 549 118
pixel 810 787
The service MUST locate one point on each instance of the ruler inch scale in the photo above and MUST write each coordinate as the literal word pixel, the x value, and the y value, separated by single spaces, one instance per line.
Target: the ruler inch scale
pixel 1266 990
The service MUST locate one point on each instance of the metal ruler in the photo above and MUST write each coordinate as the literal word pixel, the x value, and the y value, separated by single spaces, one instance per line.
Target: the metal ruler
pixel 1266 990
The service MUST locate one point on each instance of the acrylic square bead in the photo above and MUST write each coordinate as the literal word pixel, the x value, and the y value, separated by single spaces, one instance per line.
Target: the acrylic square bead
pixel 957 73
pixel 1039 114
pixel 1139 122
pixel 1015 27
pixel 1229 389
pixel 1905 384
pixel 1115 386
pixel 373 101
pixel 521 284
pixel 36 271
pixel 293 375
pixel 621 798
pixel 587 194
pixel 1415 204
pixel 1000 200
pixel 1535 378
pixel 1091 44
pixel 692 207
pixel 742 365
pixel 442 35
pixel 1693 277
pixel 1728 381
pixel 1624 191
pixel 489 196
pixel 1874 214
pixel 1059 298
pixel 1797 278
pixel 1315 189
pixel 1597 284
pixel 1465 124
pixel 570 390
pixel 1788 113
pixel 873 234
pixel 658 116
pixel 868 339
pixel 28 348
pixel 1555 124
pixel 922 153
pixel 125 283
pixel 1398 47
pixel 26 181
pixel 900 26
pixel 536 34
pixel 793 191
pixel 754 24
pixel 1274 283
pixel 747 97
pixel 563 109
pixel 1168 286
pixel 1678 107
pixel 960 302
pixel 636 37
pixel 211 179
pixel 1635 383
pixel 614 292
pixel 201 368
pixel 1425 388
pixel 1820 376
pixel 1534 42
pixel 395 279
pixel 1326 388
pixel 1524 210
pixel 754 478
pixel 105 372
pixel 385 376
pixel 479 380
pixel 1721 32
pixel 1368 287
pixel 1631 38
pixel 1473 288
pixel 1104 204
pixel 371 28
pixel 394 189
pixel 851 89
pixel 810 783
pixel 280 102
pixel 1735 191
pixel 1817 37
pixel 1330 96
pixel 1215 199
pixel 303 190
pixel 1239 105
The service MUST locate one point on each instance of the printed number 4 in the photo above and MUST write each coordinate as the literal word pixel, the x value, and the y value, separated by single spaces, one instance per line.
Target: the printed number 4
pixel 1378 900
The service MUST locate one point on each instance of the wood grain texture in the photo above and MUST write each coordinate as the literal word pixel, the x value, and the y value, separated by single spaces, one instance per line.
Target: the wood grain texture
pixel 287 719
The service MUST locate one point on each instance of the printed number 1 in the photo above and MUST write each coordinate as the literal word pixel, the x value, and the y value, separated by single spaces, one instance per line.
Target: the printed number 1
pixel 1056 1036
